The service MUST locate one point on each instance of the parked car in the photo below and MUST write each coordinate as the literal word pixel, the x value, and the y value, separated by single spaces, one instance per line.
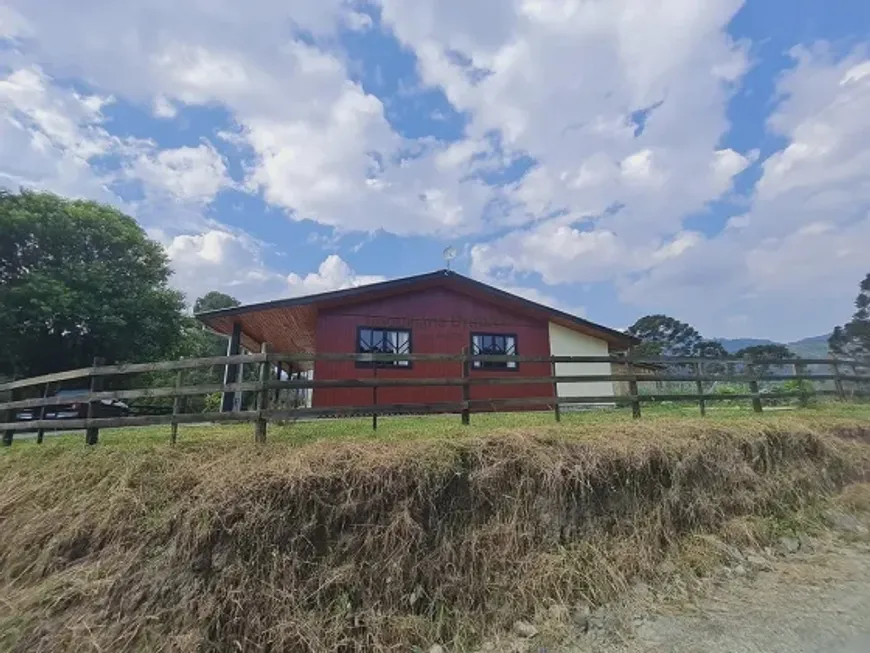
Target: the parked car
pixel 71 404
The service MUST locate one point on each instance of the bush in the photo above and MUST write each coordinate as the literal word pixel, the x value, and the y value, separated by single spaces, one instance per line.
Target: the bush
pixel 212 403
pixel 801 385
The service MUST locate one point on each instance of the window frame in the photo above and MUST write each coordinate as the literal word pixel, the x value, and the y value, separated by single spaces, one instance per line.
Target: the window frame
pixel 383 365
pixel 484 366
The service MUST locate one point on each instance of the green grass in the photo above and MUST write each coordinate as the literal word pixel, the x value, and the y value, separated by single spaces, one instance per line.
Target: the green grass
pixel 423 427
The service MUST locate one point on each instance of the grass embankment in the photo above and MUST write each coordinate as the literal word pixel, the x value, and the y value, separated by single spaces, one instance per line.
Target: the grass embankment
pixel 383 544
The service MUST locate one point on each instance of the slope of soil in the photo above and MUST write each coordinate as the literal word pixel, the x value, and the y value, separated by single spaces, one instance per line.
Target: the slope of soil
pixel 376 546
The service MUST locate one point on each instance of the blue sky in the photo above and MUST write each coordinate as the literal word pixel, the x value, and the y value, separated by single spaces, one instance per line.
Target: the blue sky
pixel 613 158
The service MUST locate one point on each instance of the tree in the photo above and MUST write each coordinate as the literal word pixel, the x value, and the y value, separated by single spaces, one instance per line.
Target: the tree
pixel 760 352
pixel 661 335
pixel 78 280
pixel 770 351
pixel 711 349
pixel 853 338
pixel 196 342
pixel 213 301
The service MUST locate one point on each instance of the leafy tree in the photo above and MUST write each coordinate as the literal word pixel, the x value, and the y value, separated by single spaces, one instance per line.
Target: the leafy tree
pixel 197 342
pixel 711 349
pixel 760 352
pixel 213 301
pixel 853 338
pixel 764 352
pixel 665 336
pixel 78 280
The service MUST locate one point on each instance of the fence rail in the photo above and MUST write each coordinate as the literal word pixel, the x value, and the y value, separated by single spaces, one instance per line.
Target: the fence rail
pixel 635 371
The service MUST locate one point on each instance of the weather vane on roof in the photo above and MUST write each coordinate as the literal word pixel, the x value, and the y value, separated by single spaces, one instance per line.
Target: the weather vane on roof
pixel 449 254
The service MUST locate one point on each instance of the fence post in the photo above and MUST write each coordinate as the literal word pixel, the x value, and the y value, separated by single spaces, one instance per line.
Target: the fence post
pixel 698 367
pixel 176 407
pixel 92 433
pixel 753 389
pixel 40 433
pixel 635 401
pixel 838 383
pixel 375 395
pixel 466 387
pixel 278 369
pixel 232 372
pixel 800 373
pixel 756 398
pixel 557 411
pixel 262 397
pixel 9 416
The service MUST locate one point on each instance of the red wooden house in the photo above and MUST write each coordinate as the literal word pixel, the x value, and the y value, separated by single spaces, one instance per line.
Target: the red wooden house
pixel 437 313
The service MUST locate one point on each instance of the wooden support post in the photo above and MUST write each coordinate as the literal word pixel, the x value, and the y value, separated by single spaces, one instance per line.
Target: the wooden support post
pixel 40 434
pixel 635 402
pixel 231 372
pixel 756 397
pixel 557 412
pixel 262 398
pixel 800 374
pixel 375 396
pixel 466 387
pixel 278 369
pixel 838 383
pixel 9 416
pixel 92 433
pixel 176 407
pixel 700 386
pixel 753 390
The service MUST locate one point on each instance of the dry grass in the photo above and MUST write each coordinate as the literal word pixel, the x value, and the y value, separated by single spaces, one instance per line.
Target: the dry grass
pixel 378 546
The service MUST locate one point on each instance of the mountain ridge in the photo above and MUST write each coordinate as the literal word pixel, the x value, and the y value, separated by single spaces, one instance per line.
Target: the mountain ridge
pixel 812 347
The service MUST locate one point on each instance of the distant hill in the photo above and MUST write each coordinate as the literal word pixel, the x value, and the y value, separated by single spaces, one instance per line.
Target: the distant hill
pixel 736 344
pixel 813 347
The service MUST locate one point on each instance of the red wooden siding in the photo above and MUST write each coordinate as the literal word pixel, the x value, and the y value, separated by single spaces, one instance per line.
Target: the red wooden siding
pixel 441 322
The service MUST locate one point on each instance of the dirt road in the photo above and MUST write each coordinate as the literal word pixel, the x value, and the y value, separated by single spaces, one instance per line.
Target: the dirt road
pixel 808 603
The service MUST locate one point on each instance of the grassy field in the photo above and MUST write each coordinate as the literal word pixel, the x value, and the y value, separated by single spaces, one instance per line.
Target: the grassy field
pixel 332 537
pixel 439 426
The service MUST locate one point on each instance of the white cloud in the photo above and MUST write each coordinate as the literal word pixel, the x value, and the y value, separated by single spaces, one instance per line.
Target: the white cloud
pixel 319 145
pixel 560 82
pixel 48 136
pixel 326 152
pixel 221 260
pixel 333 274
pixel 233 262
pixel 535 295
pixel 12 24
pixel 57 139
pixel 187 174
pixel 562 253
pixel 357 21
pixel 163 108
pixel 621 104
pixel 791 264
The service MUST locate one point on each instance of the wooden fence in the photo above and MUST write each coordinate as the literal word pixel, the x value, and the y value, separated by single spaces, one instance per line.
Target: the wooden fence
pixel 636 371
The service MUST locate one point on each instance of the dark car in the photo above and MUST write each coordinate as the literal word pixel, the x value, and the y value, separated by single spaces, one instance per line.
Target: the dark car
pixel 71 405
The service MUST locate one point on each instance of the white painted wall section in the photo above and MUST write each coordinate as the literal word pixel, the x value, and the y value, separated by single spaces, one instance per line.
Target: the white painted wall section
pixel 566 342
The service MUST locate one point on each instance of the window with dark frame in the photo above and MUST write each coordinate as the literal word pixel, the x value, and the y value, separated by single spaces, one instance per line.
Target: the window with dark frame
pixel 383 341
pixel 493 344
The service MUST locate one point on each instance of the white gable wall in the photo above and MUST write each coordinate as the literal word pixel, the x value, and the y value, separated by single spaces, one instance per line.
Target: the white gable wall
pixel 567 342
